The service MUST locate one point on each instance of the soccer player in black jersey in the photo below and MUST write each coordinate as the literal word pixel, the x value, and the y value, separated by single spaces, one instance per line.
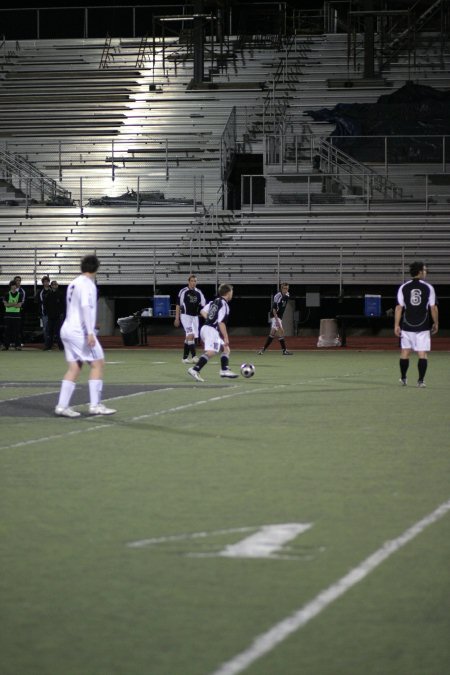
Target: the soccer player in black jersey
pixel 279 304
pixel 416 301
pixel 190 302
pixel 215 335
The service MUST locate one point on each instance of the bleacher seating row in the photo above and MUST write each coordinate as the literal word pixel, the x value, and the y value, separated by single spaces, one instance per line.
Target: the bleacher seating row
pixel 246 248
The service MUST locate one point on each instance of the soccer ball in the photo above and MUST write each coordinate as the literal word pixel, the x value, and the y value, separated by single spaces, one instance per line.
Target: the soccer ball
pixel 247 370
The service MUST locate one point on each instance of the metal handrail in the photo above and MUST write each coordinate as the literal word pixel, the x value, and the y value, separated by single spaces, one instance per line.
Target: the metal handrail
pixel 398 43
pixel 24 170
pixel 105 53
pixel 337 160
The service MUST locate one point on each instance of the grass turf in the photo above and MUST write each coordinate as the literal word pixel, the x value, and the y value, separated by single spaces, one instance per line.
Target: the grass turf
pixel 327 438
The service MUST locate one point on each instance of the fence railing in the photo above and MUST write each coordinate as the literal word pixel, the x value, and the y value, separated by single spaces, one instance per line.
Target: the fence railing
pixel 131 20
pixel 288 151
pixel 156 266
pixel 316 190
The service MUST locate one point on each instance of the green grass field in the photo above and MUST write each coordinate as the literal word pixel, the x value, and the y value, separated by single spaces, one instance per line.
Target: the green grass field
pixel 123 539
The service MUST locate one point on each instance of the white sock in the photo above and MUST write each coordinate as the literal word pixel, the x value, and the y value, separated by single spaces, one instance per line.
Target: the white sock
pixel 95 391
pixel 67 389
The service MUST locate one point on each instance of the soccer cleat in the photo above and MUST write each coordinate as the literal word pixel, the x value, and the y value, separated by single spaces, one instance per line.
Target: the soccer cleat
pixel 421 384
pixel 66 412
pixel 101 409
pixel 261 352
pixel 286 353
pixel 228 373
pixel 188 360
pixel 403 381
pixel 195 374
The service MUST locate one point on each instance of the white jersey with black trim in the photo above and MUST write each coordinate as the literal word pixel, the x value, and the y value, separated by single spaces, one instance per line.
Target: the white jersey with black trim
pixel 81 306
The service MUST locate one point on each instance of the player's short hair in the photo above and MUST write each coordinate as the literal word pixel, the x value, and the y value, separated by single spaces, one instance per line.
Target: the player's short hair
pixel 45 278
pixel 90 263
pixel 12 283
pixel 285 283
pixel 192 276
pixel 17 277
pixel 224 289
pixel 415 268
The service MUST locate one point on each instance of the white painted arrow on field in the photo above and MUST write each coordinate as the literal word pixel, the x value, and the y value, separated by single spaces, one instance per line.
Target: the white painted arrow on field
pixel 268 540
pixel 265 543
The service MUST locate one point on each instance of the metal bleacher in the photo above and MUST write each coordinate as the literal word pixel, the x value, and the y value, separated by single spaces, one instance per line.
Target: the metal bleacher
pixel 333 248
pixel 131 126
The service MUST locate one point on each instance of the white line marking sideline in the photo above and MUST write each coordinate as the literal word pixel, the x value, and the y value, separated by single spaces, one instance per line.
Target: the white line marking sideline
pixel 265 642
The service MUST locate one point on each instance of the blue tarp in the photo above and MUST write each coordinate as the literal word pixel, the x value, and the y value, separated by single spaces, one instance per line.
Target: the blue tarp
pixel 413 110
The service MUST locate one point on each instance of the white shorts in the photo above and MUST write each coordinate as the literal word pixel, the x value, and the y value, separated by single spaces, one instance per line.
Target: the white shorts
pixel 77 349
pixel 190 324
pixel 418 342
pixel 212 341
pixel 276 324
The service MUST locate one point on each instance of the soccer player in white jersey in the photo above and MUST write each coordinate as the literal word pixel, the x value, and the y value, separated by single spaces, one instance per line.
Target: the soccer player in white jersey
pixel 215 335
pixel 416 301
pixel 189 303
pixel 80 342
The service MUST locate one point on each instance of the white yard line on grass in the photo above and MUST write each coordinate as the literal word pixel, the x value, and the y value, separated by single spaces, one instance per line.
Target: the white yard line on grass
pixel 139 418
pixel 266 642
pixel 213 399
pixel 54 437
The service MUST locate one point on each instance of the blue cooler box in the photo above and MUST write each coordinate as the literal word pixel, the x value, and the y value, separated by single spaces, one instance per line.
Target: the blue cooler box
pixel 161 305
pixel 372 305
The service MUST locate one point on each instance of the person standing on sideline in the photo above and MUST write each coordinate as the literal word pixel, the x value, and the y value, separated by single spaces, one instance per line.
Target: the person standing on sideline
pixel 416 301
pixel 279 304
pixel 190 302
pixel 215 335
pixel 23 296
pixel 54 309
pixel 13 306
pixel 80 342
pixel 42 311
